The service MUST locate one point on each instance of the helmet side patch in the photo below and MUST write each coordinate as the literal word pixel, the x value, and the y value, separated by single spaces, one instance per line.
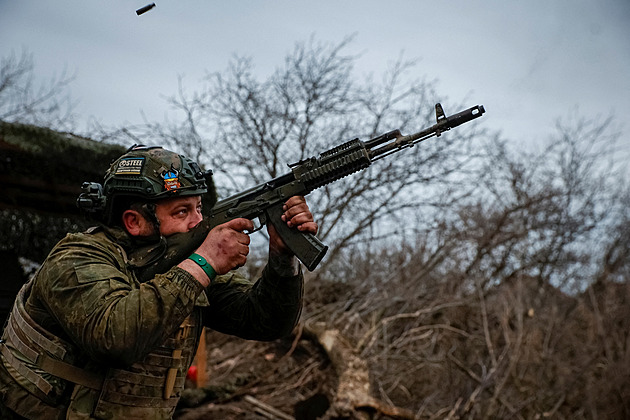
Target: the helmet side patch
pixel 171 180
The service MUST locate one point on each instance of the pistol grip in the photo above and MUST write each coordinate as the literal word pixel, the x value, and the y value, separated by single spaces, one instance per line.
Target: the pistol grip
pixel 306 247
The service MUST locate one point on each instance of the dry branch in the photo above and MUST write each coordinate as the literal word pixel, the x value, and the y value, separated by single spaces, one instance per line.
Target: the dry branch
pixel 266 410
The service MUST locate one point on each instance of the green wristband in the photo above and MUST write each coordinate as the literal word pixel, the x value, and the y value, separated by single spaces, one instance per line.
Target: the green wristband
pixel 201 262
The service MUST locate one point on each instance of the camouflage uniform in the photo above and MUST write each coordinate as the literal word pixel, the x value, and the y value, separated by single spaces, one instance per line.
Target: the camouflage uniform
pixel 130 343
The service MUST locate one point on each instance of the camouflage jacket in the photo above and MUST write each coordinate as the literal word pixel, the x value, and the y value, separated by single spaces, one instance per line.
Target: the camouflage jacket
pixel 132 336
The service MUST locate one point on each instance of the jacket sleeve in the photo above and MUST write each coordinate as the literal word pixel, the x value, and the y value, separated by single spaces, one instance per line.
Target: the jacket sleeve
pixel 103 309
pixel 265 310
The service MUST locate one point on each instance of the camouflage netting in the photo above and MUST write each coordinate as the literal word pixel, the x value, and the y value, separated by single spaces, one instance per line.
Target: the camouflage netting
pixel 41 172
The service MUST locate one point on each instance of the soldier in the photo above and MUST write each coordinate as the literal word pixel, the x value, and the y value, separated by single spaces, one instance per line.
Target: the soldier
pixel 87 339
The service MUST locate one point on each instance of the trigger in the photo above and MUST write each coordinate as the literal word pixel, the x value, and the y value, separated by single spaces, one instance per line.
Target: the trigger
pixel 257 226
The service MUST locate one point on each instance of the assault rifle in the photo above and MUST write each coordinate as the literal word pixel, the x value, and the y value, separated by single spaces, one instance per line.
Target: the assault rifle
pixel 264 202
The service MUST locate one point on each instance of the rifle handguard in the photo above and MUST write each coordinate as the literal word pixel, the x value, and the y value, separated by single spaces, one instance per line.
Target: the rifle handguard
pixel 332 165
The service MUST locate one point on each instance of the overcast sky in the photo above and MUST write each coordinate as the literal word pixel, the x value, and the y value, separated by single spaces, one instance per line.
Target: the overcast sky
pixel 528 62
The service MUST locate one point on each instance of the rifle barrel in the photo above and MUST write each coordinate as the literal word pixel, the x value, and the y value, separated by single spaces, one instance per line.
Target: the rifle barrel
pixel 401 142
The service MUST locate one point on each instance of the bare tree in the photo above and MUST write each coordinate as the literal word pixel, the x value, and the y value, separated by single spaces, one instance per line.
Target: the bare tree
pixel 546 211
pixel 485 315
pixel 248 130
pixel 22 100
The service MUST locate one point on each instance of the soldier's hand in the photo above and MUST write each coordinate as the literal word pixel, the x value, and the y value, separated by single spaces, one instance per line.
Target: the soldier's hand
pixel 296 214
pixel 226 246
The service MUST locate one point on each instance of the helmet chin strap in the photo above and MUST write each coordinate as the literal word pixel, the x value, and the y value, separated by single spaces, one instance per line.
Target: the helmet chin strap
pixel 152 248
pixel 148 211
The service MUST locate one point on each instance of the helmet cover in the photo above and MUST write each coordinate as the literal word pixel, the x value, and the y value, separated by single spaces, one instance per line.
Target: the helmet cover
pixel 153 173
pixel 144 174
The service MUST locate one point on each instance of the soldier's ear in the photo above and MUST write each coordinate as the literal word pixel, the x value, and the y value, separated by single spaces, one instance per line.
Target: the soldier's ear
pixel 136 224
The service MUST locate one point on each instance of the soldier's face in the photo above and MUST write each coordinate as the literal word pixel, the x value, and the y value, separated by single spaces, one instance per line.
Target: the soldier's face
pixel 178 214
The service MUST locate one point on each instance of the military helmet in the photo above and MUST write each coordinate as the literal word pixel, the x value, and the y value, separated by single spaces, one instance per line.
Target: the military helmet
pixel 143 174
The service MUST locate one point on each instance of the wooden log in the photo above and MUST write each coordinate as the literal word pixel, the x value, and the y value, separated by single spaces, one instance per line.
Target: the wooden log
pixel 352 398
pixel 201 361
